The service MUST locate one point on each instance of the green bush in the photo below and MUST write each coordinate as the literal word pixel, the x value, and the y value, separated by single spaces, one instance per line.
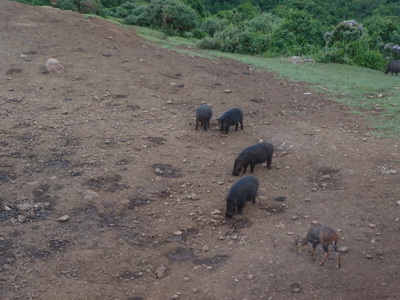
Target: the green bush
pixel 170 16
pixel 240 40
pixel 297 34
pixel 264 23
pixel 209 43
pixel 212 24
pixel 352 53
pixel 82 6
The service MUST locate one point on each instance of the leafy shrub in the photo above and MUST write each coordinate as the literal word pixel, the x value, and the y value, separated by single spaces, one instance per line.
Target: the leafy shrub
pixel 352 53
pixel 82 6
pixel 209 43
pixel 298 34
pixel 264 23
pixel 170 16
pixel 212 24
pixel 346 31
pixel 237 40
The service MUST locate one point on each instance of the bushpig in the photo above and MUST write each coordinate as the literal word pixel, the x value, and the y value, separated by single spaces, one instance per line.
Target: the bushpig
pixel 393 67
pixel 252 156
pixel 203 116
pixel 243 190
pixel 234 116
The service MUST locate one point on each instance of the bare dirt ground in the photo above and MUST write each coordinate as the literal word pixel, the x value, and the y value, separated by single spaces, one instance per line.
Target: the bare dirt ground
pixel 110 142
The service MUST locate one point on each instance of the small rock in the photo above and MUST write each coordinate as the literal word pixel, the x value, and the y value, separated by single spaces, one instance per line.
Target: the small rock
pixel 178 233
pixel 205 248
pixel 280 198
pixel 379 252
pixel 54 65
pixel 24 206
pixel 294 218
pixel 64 218
pixel 7 208
pixel 186 279
pixel 251 276
pixel 160 272
pixel 371 225
pixel 343 249
pixel 368 256
pixel 216 212
pixel 21 218
pixel 296 290
pixel 227 91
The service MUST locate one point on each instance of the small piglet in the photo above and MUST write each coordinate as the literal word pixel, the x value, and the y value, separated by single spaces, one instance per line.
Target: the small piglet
pixel 243 190
pixel 203 116
pixel 234 116
pixel 252 156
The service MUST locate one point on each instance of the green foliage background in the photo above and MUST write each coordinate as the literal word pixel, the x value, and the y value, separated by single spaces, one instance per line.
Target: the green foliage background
pixel 267 28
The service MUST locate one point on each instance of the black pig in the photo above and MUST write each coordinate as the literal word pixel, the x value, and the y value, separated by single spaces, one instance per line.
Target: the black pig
pixel 393 67
pixel 252 156
pixel 234 116
pixel 203 116
pixel 243 190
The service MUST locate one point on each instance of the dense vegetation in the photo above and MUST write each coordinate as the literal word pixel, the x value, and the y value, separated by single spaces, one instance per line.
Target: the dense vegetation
pixel 359 32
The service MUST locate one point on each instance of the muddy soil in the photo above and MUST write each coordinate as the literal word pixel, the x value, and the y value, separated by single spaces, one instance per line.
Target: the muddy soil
pixel 108 143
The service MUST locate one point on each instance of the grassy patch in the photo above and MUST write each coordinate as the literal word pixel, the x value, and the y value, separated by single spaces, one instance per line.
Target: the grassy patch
pixel 363 89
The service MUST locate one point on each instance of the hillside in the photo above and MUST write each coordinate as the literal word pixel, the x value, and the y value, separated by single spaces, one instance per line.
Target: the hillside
pixel 110 142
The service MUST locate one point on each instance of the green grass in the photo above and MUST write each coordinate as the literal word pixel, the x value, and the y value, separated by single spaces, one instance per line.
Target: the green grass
pixel 363 89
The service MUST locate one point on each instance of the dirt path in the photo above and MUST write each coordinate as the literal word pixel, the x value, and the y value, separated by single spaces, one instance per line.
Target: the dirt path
pixel 110 142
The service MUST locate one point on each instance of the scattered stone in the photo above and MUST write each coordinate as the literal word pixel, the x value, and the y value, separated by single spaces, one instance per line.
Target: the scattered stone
pixel 251 276
pixel 379 252
pixel 314 222
pixel 7 208
pixel 54 66
pixel 205 248
pixel 21 218
pixel 178 233
pixel 294 218
pixel 216 212
pixel 186 279
pixel 368 256
pixel 296 290
pixel 64 218
pixel 371 225
pixel 280 198
pixel 227 91
pixel 343 249
pixel 24 206
pixel 160 272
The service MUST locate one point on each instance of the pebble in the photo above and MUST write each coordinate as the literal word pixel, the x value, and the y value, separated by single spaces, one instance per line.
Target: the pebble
pixel 186 279
pixel 178 233
pixel 216 212
pixel 205 248
pixel 379 252
pixel 371 225
pixel 368 256
pixel 64 218
pixel 24 206
pixel 251 276
pixel 160 272
pixel 296 290
pixel 21 218
pixel 343 249
pixel 294 218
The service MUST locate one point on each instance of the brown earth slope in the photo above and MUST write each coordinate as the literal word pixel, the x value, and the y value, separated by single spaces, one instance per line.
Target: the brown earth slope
pixel 110 142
